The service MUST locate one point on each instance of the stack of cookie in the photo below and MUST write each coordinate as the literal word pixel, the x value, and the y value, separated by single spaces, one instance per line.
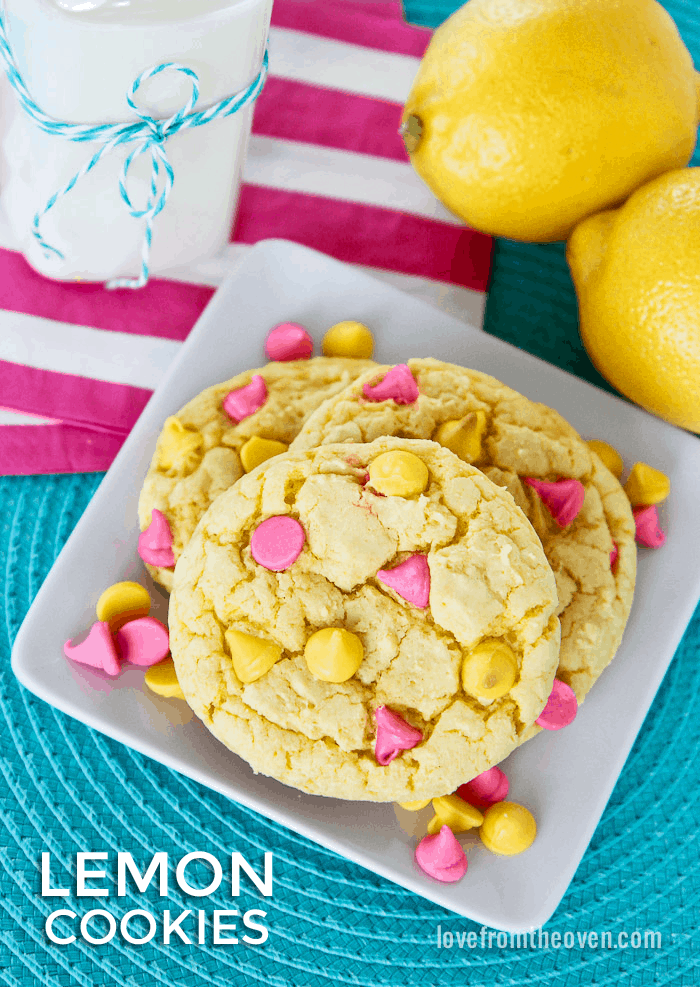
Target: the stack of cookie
pixel 378 572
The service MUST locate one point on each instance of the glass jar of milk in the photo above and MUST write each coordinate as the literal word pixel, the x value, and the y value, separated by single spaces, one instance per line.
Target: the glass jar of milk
pixel 78 59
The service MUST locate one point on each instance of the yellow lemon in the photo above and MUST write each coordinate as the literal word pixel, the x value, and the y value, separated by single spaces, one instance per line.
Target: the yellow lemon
pixel 637 275
pixel 528 115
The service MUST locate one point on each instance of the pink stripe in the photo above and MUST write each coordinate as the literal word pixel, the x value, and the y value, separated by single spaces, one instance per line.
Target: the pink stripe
pixel 377 8
pixel 367 235
pixel 167 309
pixel 344 22
pixel 30 449
pixel 74 400
pixel 329 118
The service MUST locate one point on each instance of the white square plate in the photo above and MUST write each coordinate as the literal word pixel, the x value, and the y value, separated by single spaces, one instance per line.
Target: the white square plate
pixel 565 778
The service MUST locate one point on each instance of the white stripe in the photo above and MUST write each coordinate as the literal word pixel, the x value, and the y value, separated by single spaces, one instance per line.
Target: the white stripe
pixel 141 361
pixel 16 418
pixel 116 357
pixel 338 65
pixel 362 178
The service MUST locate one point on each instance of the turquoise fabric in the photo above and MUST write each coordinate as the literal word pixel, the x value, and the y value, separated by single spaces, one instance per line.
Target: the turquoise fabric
pixel 66 788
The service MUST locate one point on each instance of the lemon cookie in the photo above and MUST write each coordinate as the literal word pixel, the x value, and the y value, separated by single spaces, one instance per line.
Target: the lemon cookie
pixel 370 621
pixel 530 450
pixel 226 431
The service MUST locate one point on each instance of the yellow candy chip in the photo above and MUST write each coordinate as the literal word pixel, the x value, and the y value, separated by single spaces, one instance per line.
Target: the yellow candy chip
pixel 162 679
pixel 252 656
pixel 452 811
pixel 490 670
pixel 463 437
pixel 646 486
pixel 350 339
pixel 611 457
pixel 179 447
pixel 257 450
pixel 123 602
pixel 415 806
pixel 508 828
pixel 333 654
pixel 398 474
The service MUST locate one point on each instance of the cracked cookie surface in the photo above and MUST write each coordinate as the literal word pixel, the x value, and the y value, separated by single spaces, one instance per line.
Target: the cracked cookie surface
pixel 208 459
pixel 489 580
pixel 520 439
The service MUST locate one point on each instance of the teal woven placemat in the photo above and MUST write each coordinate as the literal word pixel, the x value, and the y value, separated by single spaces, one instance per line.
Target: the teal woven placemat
pixel 66 788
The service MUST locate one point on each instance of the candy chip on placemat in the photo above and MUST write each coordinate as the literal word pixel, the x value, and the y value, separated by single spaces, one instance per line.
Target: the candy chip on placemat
pixel 98 650
pixel 563 498
pixel 245 401
pixel 442 857
pixel 143 641
pixel 277 542
pixel 646 522
pixel 487 788
pixel 393 735
pixel 156 542
pixel 398 384
pixel 411 580
pixel 561 707
pixel 288 341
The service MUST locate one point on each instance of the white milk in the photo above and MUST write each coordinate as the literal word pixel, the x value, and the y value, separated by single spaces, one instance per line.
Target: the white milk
pixel 78 58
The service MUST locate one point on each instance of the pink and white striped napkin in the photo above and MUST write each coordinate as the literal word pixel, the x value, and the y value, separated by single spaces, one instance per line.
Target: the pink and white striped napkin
pixel 325 168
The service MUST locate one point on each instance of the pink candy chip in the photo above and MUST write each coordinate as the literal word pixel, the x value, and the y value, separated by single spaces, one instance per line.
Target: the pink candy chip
pixel 442 857
pixel 614 555
pixel 393 735
pixel 561 707
pixel 97 650
pixel 646 521
pixel 411 580
pixel 288 341
pixel 277 543
pixel 399 384
pixel 564 498
pixel 486 789
pixel 143 641
pixel 245 401
pixel 156 542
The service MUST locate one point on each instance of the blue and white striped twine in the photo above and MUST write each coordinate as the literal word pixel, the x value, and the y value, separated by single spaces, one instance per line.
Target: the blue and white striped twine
pixel 149 135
